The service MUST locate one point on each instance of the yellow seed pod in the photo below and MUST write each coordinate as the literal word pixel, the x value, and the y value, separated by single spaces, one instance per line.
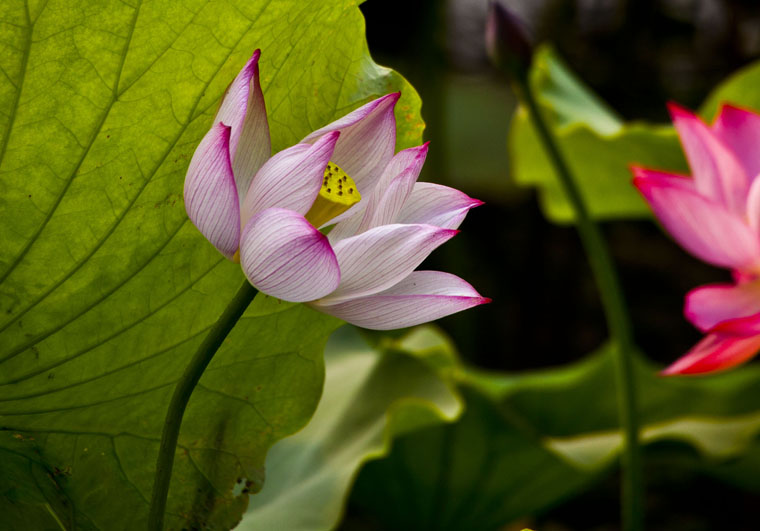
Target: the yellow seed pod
pixel 338 194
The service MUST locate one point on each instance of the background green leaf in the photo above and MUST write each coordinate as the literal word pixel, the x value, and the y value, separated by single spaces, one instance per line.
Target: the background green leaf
pixel 740 89
pixel 371 397
pixel 598 147
pixel 106 288
pixel 528 441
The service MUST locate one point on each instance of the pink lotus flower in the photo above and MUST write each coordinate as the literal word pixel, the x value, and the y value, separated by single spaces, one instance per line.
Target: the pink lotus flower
pixel 267 210
pixel 716 217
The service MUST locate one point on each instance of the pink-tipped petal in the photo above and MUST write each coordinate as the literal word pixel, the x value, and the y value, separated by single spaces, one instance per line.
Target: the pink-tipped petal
pixel 716 352
pixel 284 256
pixel 421 297
pixel 381 257
pixel 291 179
pixel 244 111
pixel 394 187
pixel 211 198
pixel 717 172
pixel 710 305
pixel 740 130
pixel 437 205
pixel 367 140
pixel 702 226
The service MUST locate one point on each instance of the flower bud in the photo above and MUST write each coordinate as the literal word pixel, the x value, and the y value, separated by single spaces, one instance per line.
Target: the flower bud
pixel 507 40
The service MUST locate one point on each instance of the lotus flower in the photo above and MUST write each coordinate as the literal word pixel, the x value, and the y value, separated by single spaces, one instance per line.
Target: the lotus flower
pixel 716 217
pixel 267 211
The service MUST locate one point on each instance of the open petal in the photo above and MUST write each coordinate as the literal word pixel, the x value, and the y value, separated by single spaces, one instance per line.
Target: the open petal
pixel 367 140
pixel 740 130
pixel 244 111
pixel 211 198
pixel 716 352
pixel 437 205
pixel 702 226
pixel 717 172
pixel 291 179
pixel 753 206
pixel 284 256
pixel 707 306
pixel 421 297
pixel 381 257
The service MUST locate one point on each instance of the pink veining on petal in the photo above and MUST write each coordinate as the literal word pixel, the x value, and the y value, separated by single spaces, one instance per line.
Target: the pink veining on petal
pixel 421 297
pixel 381 257
pixel 717 172
pixel 715 352
pixel 210 193
pixel 367 141
pixel 291 179
pixel 702 226
pixel 254 146
pixel 394 188
pixel 437 205
pixel 284 256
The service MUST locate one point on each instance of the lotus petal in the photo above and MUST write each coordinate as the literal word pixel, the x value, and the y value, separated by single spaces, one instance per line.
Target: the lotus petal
pixel 284 256
pixel 421 297
pixel 702 226
pixel 211 198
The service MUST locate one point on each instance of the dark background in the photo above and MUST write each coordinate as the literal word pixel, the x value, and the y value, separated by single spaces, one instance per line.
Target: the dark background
pixel 636 55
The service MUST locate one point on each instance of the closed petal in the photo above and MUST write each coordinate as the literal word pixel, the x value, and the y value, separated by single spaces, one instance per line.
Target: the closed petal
pixel 739 129
pixel 421 297
pixel 291 179
pixel 717 172
pixel 394 187
pixel 437 205
pixel 702 226
pixel 284 256
pixel 211 198
pixel 244 111
pixel 381 257
pixel 716 352
pixel 707 306
pixel 367 140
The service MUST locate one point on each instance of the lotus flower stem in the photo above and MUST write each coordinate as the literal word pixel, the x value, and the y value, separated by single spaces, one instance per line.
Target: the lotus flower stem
pixel 181 396
pixel 615 312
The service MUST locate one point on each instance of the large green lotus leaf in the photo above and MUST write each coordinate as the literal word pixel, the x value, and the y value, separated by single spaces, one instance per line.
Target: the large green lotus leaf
pixel 371 396
pixel 598 146
pixel 528 441
pixel 106 288
pixel 483 471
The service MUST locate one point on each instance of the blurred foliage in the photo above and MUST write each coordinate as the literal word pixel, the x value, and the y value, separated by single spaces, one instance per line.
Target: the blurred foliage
pixel 371 397
pixel 599 147
pixel 526 442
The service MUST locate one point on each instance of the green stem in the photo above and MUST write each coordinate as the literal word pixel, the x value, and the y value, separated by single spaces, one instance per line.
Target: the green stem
pixel 181 396
pixel 615 313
